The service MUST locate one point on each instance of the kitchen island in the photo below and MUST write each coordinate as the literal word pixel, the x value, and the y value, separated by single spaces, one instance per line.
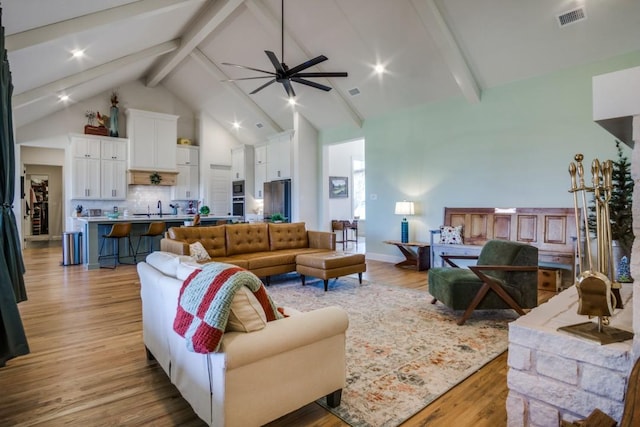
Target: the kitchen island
pixel 93 228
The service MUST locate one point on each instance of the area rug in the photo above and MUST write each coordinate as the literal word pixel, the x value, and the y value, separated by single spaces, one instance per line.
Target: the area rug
pixel 402 351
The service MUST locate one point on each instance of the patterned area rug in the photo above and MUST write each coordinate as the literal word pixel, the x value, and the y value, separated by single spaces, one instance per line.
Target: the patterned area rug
pixel 402 351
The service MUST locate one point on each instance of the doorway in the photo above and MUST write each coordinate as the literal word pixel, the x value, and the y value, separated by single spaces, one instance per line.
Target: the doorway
pixel 42 203
pixel 38 205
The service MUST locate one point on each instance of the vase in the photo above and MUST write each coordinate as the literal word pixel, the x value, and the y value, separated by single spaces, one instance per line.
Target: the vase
pixel 113 122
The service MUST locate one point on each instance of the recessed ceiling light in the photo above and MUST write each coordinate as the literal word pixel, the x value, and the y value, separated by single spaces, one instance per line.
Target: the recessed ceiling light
pixel 63 97
pixel 78 53
pixel 292 101
pixel 236 125
pixel 379 69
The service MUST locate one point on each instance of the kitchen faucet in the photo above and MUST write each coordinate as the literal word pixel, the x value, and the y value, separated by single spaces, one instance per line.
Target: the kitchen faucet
pixel 160 207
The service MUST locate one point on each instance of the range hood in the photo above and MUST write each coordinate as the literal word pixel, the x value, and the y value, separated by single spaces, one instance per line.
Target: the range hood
pixel 145 177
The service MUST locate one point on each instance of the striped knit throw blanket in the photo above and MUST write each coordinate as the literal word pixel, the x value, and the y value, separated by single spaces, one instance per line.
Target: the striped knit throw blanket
pixel 205 302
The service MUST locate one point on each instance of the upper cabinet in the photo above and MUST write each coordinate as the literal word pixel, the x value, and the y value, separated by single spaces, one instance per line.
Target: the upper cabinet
pixel 152 139
pixel 98 168
pixel 188 183
pixel 85 147
pixel 279 157
pixel 242 163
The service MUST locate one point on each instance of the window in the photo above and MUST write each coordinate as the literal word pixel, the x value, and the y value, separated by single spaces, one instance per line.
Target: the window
pixel 359 195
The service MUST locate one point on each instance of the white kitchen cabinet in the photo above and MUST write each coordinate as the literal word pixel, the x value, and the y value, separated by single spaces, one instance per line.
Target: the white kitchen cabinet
pixel 85 178
pixel 113 179
pixel 260 151
pixel 187 155
pixel 85 147
pixel 259 179
pixel 98 168
pixel 152 140
pixel 238 170
pixel 279 157
pixel 188 182
pixel 242 162
pixel 113 149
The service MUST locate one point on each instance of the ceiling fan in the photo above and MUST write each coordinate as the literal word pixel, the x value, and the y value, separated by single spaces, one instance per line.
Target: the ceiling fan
pixel 285 75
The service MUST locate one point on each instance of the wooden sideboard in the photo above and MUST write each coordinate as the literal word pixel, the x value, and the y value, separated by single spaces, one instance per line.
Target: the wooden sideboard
pixel 551 230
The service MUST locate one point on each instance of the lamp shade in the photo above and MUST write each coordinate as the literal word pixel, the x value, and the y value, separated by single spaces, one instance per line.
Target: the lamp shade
pixel 404 208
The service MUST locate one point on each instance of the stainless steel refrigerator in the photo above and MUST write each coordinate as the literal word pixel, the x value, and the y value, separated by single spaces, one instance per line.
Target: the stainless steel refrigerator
pixel 277 199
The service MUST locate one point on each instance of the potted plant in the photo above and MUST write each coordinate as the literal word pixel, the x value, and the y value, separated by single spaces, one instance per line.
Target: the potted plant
pixel 278 217
pixel 78 210
pixel 204 210
pixel 620 215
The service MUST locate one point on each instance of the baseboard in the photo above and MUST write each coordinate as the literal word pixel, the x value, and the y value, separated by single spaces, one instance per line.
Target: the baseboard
pixel 384 257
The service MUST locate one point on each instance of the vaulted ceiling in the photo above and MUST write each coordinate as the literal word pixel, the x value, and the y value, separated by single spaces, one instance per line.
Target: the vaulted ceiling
pixel 432 50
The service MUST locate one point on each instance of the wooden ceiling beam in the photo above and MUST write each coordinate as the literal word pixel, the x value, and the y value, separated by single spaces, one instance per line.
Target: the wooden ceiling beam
pixel 272 24
pixel 50 32
pixel 212 68
pixel 209 20
pixel 438 29
pixel 53 88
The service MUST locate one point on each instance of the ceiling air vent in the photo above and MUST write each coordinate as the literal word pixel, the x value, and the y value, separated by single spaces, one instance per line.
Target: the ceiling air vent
pixel 355 91
pixel 571 17
pixel 259 125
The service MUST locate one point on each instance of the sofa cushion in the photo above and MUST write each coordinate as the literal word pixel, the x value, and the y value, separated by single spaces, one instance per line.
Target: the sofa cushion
pixel 246 314
pixel 212 238
pixel 246 238
pixel 197 250
pixel 166 262
pixel 288 236
pixel 185 268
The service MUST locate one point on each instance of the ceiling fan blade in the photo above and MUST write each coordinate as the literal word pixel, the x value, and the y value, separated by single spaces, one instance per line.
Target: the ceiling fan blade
pixel 310 83
pixel 247 78
pixel 322 74
pixel 249 68
pixel 307 64
pixel 263 86
pixel 288 88
pixel 274 60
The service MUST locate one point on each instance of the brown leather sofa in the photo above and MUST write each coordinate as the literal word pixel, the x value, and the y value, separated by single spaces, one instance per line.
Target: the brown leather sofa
pixel 265 249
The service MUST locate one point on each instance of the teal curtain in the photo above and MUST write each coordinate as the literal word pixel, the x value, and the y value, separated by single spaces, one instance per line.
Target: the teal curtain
pixel 13 341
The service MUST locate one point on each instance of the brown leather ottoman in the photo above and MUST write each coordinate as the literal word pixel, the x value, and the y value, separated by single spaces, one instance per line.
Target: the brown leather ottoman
pixel 328 265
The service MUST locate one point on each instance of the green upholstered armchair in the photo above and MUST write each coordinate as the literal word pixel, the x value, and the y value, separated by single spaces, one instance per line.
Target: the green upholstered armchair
pixel 505 276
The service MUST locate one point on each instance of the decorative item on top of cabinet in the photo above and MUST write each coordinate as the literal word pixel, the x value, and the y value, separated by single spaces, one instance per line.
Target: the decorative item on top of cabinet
pixel 152 139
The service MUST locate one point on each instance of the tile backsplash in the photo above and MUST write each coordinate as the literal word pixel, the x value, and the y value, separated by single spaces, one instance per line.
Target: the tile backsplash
pixel 139 199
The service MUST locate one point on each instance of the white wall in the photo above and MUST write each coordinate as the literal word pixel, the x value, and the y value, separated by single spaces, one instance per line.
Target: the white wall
pixel 304 182
pixel 52 130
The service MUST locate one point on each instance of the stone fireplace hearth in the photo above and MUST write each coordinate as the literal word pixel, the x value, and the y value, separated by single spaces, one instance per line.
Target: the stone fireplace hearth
pixel 556 376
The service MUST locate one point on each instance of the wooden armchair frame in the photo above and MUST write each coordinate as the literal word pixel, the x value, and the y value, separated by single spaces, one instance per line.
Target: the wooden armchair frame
pixel 489 283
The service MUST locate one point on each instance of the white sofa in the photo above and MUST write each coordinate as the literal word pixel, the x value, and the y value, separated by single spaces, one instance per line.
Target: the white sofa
pixel 257 376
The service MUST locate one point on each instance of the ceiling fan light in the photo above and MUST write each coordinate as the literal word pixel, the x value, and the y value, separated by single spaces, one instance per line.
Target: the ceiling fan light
pixel 292 101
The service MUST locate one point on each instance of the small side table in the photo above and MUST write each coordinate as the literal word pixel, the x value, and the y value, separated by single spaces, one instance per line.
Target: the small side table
pixel 415 253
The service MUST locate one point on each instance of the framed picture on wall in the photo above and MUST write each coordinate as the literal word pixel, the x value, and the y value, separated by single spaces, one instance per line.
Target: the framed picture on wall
pixel 338 187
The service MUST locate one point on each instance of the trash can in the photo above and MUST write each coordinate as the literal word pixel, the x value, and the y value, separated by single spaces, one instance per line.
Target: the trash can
pixel 71 248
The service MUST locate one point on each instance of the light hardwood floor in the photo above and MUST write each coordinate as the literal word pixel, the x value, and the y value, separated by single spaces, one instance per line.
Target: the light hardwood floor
pixel 87 365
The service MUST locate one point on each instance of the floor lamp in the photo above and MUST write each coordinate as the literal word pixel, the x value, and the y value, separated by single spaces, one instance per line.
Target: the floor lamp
pixel 404 208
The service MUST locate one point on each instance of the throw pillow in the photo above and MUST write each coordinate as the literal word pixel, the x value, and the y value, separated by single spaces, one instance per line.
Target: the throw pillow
pixel 198 251
pixel 451 235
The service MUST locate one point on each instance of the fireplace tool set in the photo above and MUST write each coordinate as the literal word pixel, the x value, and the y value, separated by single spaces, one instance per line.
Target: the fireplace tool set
pixel 598 292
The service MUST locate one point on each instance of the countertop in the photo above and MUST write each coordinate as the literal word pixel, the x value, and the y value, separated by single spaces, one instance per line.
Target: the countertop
pixel 145 218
